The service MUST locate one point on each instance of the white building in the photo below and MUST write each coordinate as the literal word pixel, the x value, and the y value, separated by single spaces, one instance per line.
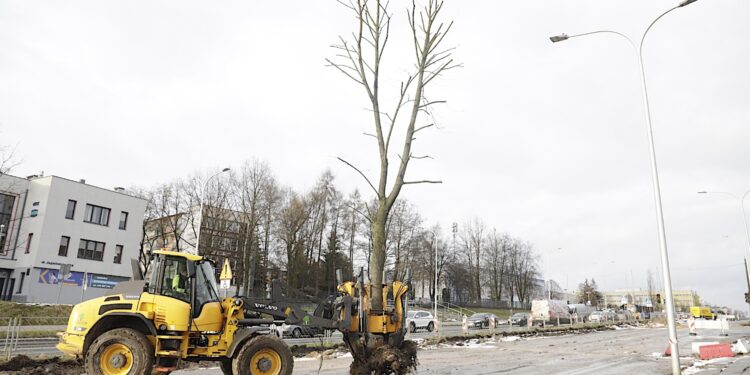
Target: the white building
pixel 50 221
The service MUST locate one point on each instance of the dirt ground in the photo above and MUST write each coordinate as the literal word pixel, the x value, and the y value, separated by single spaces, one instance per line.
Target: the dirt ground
pixel 26 366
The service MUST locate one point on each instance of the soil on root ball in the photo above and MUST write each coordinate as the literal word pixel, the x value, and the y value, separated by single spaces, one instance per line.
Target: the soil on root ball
pixel 388 360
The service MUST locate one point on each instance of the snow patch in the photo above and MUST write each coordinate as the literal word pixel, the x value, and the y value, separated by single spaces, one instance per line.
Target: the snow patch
pixel 510 338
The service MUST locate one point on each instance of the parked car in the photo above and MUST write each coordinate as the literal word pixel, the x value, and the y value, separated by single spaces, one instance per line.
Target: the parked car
pixel 298 331
pixel 602 316
pixel 520 319
pixel 417 320
pixel 597 316
pixel 548 311
pixel 581 310
pixel 623 315
pixel 482 320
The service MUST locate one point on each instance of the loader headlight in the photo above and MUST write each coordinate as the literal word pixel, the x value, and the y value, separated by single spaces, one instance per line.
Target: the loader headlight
pixel 79 329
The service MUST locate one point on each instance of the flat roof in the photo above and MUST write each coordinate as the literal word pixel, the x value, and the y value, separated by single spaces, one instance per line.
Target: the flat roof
pixel 30 178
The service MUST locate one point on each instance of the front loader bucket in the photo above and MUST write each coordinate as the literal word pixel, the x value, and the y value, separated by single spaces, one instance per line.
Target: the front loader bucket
pixel 381 353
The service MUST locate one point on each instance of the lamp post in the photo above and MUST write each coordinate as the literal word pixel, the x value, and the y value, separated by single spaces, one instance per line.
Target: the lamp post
pixel 435 297
pixel 549 278
pixel 742 210
pixel 200 210
pixel 654 176
pixel 744 220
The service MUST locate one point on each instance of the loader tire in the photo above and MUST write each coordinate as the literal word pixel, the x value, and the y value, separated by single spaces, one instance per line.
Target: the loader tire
pixel 121 351
pixel 226 366
pixel 263 355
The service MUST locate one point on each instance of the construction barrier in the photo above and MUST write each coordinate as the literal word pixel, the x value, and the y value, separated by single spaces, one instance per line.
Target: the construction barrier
pixel 720 324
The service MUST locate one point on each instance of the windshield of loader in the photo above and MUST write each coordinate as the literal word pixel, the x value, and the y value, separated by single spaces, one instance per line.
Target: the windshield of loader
pixel 175 282
pixel 206 289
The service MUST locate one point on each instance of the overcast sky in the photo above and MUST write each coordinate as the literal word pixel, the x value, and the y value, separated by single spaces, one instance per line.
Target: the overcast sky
pixel 546 142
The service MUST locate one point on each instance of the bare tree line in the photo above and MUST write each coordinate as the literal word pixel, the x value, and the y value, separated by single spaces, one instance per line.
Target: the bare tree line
pixel 268 230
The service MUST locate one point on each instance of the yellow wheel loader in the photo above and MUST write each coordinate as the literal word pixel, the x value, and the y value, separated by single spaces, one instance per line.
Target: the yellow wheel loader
pixel 177 316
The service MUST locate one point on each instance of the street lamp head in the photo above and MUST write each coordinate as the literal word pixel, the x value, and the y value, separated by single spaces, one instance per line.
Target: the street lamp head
pixel 561 37
pixel 225 170
pixel 686 2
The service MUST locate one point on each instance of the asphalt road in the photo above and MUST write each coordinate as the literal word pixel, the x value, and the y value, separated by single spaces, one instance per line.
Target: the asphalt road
pixel 623 351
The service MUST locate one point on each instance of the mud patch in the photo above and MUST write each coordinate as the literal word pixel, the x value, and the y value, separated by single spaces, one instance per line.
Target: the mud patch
pixel 388 360
pixel 24 365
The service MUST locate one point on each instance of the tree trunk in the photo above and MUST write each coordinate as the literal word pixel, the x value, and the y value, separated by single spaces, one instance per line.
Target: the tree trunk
pixel 377 258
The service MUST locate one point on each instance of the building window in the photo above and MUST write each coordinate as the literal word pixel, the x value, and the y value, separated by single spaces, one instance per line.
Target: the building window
pixel 6 209
pixel 20 284
pixel 64 242
pixel 96 215
pixel 118 254
pixel 123 220
pixel 92 250
pixel 28 243
pixel 70 212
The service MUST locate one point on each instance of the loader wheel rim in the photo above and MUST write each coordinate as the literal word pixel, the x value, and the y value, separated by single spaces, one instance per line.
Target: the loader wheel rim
pixel 116 359
pixel 265 362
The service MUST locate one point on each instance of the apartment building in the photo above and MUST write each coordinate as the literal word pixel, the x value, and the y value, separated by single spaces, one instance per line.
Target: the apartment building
pixel 48 221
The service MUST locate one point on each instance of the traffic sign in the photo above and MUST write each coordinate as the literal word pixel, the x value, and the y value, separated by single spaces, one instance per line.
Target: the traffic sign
pixel 225 284
pixel 226 271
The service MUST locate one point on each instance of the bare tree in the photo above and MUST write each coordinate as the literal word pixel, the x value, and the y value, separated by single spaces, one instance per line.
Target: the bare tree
pixel 496 254
pixel 523 271
pixel 251 185
pixel 293 216
pixel 8 159
pixel 360 58
pixel 474 237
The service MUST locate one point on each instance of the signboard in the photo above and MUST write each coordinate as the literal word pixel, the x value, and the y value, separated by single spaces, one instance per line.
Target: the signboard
pixel 225 284
pixel 647 302
pixel 102 281
pixel 50 277
pixel 226 271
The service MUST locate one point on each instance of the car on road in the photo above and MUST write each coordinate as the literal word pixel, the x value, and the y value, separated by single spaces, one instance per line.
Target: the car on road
pixel 520 319
pixel 602 316
pixel 298 331
pixel 482 320
pixel 417 320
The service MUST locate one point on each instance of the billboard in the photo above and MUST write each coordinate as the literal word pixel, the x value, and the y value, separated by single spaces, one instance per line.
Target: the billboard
pixel 103 281
pixel 50 277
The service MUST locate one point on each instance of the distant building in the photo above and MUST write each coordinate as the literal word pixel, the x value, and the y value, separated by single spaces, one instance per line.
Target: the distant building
pixel 49 221
pixel 683 299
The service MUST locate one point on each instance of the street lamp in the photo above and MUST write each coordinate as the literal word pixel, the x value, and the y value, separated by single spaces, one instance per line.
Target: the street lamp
pixel 549 278
pixel 435 297
pixel 654 176
pixel 200 210
pixel 742 210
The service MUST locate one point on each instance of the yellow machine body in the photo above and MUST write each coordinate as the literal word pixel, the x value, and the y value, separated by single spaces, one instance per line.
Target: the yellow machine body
pixel 163 319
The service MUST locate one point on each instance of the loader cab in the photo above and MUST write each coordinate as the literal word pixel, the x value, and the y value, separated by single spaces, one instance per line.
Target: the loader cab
pixel 189 279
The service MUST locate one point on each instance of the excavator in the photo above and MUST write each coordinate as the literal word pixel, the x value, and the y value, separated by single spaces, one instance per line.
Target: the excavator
pixel 177 315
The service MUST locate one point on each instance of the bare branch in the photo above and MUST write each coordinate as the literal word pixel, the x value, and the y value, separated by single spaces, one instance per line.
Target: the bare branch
pixel 422 157
pixel 423 127
pixel 355 209
pixel 360 172
pixel 423 182
pixel 341 69
pixel 433 102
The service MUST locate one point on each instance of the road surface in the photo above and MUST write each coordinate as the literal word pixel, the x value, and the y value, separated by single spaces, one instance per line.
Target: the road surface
pixel 623 351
